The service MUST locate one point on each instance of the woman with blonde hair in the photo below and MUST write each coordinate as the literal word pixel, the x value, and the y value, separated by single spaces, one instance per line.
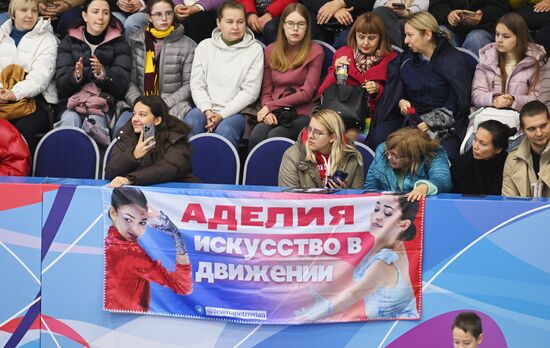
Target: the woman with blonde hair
pixel 27 45
pixel 321 151
pixel 292 70
pixel 431 87
pixel 409 161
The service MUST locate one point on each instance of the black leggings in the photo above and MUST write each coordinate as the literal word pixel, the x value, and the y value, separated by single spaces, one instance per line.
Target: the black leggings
pixel 32 125
pixel 539 23
pixel 263 131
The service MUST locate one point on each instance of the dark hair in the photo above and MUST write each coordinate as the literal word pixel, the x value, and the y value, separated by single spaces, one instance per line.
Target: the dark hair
pixel 112 19
pixel 533 108
pixel 499 131
pixel 516 24
pixel 409 210
pixel 162 131
pixel 370 23
pixel 150 3
pixel 230 4
pixel 469 322
pixel 126 195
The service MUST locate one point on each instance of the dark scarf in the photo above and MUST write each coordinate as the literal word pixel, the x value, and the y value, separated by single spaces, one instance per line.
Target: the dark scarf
pixel 151 75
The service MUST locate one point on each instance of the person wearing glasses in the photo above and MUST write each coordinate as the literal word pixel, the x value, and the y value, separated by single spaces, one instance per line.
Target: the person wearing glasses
pixel 292 68
pixel 226 76
pixel 162 56
pixel 409 161
pixel 321 150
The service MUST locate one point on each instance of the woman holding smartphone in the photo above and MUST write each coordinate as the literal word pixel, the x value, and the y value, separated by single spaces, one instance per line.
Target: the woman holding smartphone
pixel 320 155
pixel 140 160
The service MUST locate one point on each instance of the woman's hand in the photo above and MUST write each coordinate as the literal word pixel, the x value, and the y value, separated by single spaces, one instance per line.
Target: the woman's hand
pixel 341 61
pixel 404 105
pixel 7 95
pixel 182 11
pixel 143 146
pixel 129 6
pixel 417 193
pixel 262 21
pixel 270 119
pixel 262 113
pixel 503 101
pixel 401 12
pixel 252 21
pixel 423 126
pixel 327 11
pixel 119 181
pixel 343 16
pixel 371 87
pixel 542 6
pixel 337 184
pixel 97 68
pixel 320 309
pixel 79 69
pixel 454 17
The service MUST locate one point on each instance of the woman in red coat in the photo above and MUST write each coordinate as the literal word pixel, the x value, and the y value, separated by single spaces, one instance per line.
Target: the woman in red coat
pixel 15 158
pixel 128 268
pixel 367 55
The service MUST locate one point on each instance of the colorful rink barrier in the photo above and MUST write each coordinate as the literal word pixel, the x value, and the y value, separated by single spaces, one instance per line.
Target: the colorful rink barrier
pixel 486 255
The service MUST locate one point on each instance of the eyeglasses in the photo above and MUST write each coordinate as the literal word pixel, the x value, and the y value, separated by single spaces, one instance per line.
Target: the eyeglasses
pixel 315 133
pixel 293 25
pixel 393 156
pixel 166 14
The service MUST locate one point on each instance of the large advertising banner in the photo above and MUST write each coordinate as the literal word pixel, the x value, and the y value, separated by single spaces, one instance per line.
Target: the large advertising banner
pixel 256 257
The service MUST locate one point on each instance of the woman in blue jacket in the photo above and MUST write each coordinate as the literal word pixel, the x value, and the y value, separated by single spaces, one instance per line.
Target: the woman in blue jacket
pixel 409 161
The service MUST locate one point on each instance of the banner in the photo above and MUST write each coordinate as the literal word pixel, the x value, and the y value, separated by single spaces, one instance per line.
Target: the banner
pixel 254 257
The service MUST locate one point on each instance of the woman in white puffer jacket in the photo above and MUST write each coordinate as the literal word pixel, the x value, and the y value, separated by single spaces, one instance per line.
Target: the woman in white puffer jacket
pixel 28 41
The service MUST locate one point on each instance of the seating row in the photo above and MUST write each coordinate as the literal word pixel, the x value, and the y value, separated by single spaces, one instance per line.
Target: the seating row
pixel 68 152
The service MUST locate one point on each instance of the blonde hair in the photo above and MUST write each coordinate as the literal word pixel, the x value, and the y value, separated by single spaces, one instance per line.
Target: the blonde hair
pixel 17 4
pixel 334 125
pixel 423 21
pixel 414 145
pixel 279 59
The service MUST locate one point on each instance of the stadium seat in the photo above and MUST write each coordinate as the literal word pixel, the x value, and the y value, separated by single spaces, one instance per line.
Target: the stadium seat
pixel 66 152
pixel 329 54
pixel 367 153
pixel 214 159
pixel 106 157
pixel 262 164
pixel 470 56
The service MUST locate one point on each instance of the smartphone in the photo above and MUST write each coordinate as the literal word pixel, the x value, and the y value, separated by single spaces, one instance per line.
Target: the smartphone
pixel 340 175
pixel 50 4
pixel 148 131
pixel 398 5
pixel 467 13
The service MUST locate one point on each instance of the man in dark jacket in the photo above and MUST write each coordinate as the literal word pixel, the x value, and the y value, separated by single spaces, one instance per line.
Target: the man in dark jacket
pixel 471 22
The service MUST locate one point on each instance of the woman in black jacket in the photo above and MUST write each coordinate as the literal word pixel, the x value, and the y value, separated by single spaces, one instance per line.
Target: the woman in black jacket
pixel 94 51
pixel 164 157
pixel 430 88
pixel 479 171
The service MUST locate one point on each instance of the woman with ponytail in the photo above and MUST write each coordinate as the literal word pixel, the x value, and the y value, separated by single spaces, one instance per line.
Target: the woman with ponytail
pixel 162 62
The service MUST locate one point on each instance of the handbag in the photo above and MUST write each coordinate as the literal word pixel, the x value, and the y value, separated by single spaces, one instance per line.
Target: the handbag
pixel 350 102
pixel 9 77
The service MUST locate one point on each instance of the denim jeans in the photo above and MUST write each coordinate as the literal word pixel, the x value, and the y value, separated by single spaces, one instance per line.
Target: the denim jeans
pixel 230 127
pixel 472 41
